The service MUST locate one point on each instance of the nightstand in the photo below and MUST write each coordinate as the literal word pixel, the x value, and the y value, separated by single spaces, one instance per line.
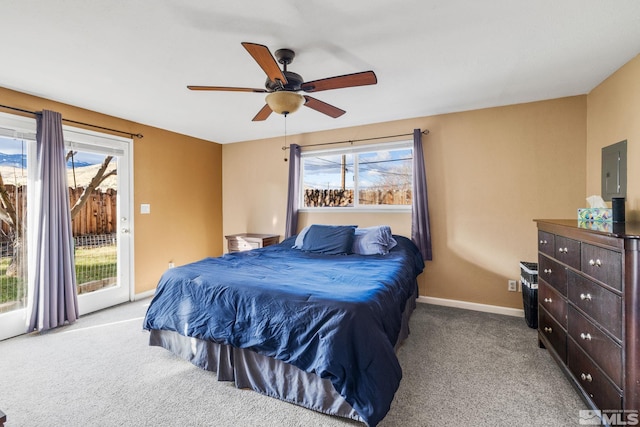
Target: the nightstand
pixel 247 241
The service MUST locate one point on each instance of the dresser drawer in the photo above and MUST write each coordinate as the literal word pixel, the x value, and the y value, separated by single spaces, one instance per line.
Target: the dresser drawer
pixel 603 265
pixel 242 245
pixel 553 302
pixel 603 393
pixel 567 251
pixel 602 349
pixel 247 241
pixel 553 273
pixel 546 243
pixel 602 305
pixel 552 331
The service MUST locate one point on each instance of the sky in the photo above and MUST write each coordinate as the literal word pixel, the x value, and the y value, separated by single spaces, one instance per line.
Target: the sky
pixel 15 146
pixel 323 171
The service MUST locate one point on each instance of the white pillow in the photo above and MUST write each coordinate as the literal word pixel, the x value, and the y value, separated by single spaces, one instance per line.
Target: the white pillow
pixel 300 238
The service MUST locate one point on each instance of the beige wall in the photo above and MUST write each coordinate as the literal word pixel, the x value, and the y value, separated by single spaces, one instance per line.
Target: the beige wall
pixel 613 115
pixel 179 176
pixel 490 173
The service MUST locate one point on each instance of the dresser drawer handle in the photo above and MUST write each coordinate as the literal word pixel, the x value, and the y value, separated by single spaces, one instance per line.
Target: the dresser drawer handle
pixel 596 263
pixel 548 300
pixel 586 377
pixel 586 336
pixel 561 250
pixel 585 297
pixel 547 329
pixel 543 242
pixel 547 270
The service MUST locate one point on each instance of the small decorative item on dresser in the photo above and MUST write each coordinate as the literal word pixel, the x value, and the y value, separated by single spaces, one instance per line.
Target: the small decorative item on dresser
pixel 247 241
pixel 617 206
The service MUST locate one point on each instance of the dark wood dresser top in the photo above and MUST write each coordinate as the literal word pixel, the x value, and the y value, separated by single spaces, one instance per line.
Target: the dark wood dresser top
pixel 625 230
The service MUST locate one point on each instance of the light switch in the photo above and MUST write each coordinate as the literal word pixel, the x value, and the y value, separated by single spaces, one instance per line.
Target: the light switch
pixel 145 208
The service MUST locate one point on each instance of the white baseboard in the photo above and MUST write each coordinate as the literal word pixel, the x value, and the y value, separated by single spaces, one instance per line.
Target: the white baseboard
pixel 516 312
pixel 143 295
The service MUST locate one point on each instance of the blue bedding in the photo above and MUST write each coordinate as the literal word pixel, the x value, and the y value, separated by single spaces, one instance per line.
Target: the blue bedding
pixel 338 316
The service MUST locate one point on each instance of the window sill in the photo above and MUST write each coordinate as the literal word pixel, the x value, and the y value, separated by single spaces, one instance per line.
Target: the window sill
pixel 389 209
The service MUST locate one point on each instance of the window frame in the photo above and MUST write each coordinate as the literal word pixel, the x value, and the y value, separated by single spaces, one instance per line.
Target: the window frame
pixel 359 149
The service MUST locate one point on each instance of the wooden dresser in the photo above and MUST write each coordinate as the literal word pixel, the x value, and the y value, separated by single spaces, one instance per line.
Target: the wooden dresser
pixel 248 241
pixel 589 308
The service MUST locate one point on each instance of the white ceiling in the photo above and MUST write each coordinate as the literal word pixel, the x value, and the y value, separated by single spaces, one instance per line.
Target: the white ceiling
pixel 134 58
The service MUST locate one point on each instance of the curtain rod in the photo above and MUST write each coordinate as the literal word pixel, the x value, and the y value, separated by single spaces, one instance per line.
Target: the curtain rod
pixel 351 141
pixel 137 135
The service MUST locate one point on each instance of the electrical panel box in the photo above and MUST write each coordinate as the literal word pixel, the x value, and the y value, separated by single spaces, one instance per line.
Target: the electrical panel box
pixel 614 171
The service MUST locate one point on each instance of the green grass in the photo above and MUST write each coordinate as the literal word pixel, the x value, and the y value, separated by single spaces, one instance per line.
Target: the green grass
pixel 91 264
pixel 10 287
pixel 95 264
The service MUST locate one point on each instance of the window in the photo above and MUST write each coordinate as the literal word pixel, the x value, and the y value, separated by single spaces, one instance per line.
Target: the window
pixel 365 177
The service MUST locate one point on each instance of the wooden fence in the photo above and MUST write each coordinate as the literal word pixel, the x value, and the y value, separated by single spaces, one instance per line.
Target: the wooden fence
pixel 339 197
pixel 97 216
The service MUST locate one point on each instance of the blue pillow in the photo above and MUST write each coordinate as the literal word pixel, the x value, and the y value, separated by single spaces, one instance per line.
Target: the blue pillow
pixel 329 239
pixel 373 240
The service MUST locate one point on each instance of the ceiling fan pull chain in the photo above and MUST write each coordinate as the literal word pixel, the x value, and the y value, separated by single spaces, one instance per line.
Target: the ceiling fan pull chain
pixel 285 137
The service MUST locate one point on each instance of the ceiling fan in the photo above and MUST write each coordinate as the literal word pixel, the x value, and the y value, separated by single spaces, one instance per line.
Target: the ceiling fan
pixel 282 86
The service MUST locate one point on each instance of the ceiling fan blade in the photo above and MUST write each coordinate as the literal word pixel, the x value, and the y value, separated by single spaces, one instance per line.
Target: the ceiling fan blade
pixel 263 114
pixel 266 61
pixel 348 80
pixel 323 107
pixel 227 89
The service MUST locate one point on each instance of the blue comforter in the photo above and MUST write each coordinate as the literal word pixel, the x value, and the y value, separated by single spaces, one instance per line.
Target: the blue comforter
pixel 338 316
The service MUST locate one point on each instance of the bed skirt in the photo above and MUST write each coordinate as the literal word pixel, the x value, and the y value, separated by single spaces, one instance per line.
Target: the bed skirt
pixel 266 375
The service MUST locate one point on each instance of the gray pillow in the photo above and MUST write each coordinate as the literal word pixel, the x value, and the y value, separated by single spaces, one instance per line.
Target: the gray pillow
pixel 376 240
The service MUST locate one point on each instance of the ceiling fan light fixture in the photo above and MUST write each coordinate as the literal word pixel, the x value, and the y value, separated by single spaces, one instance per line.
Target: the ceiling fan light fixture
pixel 284 102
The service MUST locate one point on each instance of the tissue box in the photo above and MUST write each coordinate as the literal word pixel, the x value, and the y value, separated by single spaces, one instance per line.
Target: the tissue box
pixel 595 214
pixel 606 227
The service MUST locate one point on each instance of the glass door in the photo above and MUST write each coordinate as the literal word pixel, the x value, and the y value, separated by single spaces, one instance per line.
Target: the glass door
pixel 98 172
pixel 14 149
pixel 99 169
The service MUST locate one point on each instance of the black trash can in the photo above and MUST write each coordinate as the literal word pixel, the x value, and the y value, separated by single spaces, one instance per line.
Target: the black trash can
pixel 529 282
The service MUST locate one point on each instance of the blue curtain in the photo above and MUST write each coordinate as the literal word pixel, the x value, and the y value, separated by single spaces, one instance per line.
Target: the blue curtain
pixel 291 226
pixel 420 231
pixel 53 298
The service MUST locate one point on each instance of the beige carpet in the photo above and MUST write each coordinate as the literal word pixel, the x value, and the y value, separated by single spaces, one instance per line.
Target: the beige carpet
pixel 461 368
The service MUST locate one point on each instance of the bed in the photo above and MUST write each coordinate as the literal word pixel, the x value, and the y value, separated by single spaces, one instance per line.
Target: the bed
pixel 306 321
